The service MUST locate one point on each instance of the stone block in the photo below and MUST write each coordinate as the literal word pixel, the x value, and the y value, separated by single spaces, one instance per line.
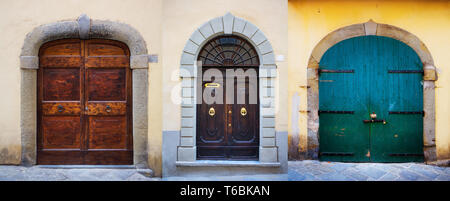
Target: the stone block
pixel 206 30
pixel 228 23
pixel 238 25
pixel 259 38
pixel 187 132
pixel 249 30
pixel 139 61
pixel 187 141
pixel 187 154
pixel 217 24
pixel 190 47
pixel 265 47
pixel 197 37
pixel 267 142
pixel 187 122
pixel 268 154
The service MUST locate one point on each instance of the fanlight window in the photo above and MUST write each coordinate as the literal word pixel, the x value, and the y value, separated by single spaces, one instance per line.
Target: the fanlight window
pixel 228 51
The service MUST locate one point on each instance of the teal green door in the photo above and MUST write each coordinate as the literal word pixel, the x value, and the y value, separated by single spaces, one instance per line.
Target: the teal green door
pixel 364 77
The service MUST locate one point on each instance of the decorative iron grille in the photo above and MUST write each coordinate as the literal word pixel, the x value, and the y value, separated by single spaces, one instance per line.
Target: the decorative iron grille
pixel 228 51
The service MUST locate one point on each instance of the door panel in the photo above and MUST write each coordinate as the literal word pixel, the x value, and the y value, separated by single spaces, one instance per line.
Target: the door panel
pixel 211 123
pixel 106 84
pixel 84 113
pixel 385 81
pixel 61 84
pixel 61 132
pixel 107 132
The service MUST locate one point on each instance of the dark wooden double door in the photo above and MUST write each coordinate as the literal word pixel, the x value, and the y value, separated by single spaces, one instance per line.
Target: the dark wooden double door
pixel 84 103
pixel 228 131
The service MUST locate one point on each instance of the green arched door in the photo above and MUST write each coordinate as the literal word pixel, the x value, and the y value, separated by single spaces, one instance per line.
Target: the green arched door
pixel 364 77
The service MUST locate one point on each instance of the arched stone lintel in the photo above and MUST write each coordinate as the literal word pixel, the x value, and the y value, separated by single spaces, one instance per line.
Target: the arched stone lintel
pixel 372 28
pixel 84 28
pixel 228 24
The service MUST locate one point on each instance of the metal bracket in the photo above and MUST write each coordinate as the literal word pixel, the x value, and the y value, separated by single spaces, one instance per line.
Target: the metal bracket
pixel 153 58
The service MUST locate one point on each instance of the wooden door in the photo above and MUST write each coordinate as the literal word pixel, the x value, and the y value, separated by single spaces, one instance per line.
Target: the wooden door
pixel 371 101
pixel 84 103
pixel 228 131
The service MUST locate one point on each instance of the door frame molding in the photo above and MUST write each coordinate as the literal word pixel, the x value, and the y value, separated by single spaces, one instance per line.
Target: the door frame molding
pixel 228 25
pixel 365 29
pixel 83 28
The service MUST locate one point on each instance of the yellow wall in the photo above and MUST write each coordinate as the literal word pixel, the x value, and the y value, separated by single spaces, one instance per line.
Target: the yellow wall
pixel 310 21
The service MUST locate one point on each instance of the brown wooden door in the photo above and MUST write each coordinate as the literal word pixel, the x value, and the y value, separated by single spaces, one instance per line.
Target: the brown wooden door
pixel 84 103
pixel 223 131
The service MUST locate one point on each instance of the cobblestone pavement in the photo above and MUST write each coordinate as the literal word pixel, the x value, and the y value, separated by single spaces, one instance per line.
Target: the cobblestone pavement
pixel 37 173
pixel 308 170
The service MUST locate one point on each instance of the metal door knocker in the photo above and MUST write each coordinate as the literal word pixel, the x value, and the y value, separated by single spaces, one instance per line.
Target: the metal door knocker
pixel 243 111
pixel 108 108
pixel 211 112
pixel 60 108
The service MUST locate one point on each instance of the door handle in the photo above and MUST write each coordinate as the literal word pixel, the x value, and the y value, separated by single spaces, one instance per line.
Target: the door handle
pixel 375 121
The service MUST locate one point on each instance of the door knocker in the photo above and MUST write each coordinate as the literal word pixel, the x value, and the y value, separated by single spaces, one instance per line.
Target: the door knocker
pixel 211 112
pixel 108 108
pixel 60 108
pixel 243 111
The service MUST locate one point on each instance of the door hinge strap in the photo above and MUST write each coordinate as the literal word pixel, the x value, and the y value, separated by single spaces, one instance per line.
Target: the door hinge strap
pixel 405 71
pixel 335 71
pixel 405 112
pixel 336 112
pixel 337 153
pixel 404 154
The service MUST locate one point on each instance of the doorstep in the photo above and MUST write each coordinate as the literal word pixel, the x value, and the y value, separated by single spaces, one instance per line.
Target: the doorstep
pixel 87 166
pixel 223 163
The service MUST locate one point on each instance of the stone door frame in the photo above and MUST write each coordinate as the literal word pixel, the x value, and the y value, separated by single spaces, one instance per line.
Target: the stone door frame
pixel 231 25
pixel 83 28
pixel 366 29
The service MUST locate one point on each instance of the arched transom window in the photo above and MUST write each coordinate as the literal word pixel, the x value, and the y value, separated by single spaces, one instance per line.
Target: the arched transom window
pixel 228 51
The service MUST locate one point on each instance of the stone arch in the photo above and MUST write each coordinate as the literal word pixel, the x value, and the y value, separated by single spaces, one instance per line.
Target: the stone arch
pixel 228 25
pixel 83 28
pixel 365 29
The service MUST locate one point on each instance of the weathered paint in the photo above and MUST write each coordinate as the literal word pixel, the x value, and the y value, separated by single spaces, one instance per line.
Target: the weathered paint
pixel 367 87
pixel 311 21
